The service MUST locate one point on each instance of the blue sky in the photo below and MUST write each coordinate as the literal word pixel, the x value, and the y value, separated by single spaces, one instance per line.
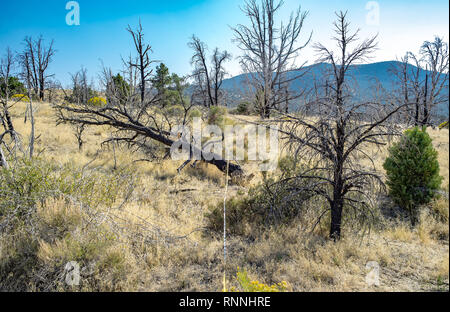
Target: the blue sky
pixel 101 35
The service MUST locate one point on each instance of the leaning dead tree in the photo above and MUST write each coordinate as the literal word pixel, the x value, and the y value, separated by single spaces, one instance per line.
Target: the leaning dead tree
pixel 146 125
pixel 8 84
pixel 208 80
pixel 336 135
pixel 39 58
pixel 7 65
pixel 270 52
pixel 142 62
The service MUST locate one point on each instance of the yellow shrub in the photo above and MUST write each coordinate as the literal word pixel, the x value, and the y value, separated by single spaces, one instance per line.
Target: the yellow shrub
pixel 20 98
pixel 255 286
pixel 97 101
pixel 444 125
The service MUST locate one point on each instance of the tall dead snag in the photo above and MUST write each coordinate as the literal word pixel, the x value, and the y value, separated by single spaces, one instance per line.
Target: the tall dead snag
pixel 39 58
pixel 270 52
pixel 6 67
pixel 435 54
pixel 334 141
pixel 146 126
pixel 143 62
pixel 27 73
pixel 208 81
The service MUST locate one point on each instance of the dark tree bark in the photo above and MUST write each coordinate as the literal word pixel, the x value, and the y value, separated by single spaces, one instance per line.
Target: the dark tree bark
pixel 208 81
pixel 143 59
pixel 422 79
pixel 270 52
pixel 39 58
pixel 6 68
pixel 30 111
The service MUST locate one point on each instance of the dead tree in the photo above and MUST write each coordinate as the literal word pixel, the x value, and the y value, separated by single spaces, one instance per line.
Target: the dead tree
pixel 7 65
pixel 422 80
pixel 27 67
pixel 336 136
pixel 143 62
pixel 145 126
pixel 218 73
pixel 39 58
pixel 435 55
pixel 270 52
pixel 402 70
pixel 81 89
pixel 208 81
pixel 79 130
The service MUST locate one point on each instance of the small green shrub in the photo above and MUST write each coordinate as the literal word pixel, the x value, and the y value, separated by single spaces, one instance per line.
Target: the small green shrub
pixel 30 183
pixel 216 115
pixel 120 88
pixel 243 108
pixel 14 86
pixel 175 110
pixel 52 214
pixel 412 171
pixel 195 113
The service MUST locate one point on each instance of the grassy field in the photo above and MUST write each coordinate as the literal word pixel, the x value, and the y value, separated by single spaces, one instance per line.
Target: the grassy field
pixel 151 235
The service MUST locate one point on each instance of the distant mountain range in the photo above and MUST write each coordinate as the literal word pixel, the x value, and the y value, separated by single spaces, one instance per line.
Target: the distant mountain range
pixel 365 77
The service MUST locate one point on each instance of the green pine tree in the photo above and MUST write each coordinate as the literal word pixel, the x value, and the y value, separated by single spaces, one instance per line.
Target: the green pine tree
pixel 412 171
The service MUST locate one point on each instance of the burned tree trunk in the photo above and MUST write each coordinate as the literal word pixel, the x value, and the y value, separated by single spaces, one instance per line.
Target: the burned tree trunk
pixel 39 58
pixel 122 121
pixel 143 59
pixel 6 66
pixel 336 219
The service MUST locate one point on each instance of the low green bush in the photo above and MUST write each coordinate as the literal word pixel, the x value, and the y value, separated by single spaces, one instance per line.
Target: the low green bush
pixel 412 170
pixel 53 214
pixel 216 115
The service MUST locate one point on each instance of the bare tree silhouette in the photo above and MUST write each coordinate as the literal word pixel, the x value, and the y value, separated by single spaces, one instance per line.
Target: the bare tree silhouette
pixel 333 138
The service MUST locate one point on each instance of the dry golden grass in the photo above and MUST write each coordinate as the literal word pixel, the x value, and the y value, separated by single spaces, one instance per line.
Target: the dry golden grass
pixel 175 204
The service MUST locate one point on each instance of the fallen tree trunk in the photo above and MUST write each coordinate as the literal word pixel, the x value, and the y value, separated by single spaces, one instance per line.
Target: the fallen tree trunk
pixel 234 170
pixel 122 121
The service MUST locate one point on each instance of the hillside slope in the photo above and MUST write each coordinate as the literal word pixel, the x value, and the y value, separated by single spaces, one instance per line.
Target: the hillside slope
pixel 364 76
